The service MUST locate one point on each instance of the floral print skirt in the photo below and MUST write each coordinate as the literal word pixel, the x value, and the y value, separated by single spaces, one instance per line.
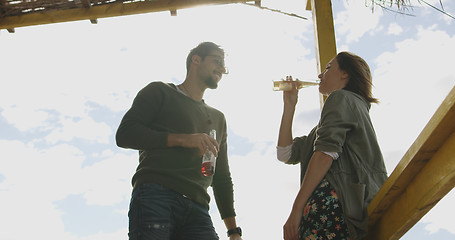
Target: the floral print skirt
pixel 322 216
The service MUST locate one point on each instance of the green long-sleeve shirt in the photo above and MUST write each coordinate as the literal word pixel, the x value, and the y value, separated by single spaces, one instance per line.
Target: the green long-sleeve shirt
pixel 158 110
pixel 359 172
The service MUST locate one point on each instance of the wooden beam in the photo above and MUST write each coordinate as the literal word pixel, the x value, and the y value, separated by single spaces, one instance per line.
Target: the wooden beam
pixel 324 33
pixel 86 3
pixel 423 177
pixel 2 5
pixel 103 11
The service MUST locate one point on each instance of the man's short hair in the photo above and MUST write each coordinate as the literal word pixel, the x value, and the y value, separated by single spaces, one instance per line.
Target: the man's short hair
pixel 202 50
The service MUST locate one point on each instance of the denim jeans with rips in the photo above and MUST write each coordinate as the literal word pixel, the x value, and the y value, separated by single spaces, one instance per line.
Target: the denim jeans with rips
pixel 158 213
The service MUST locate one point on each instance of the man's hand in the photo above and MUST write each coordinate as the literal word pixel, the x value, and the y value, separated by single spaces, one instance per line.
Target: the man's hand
pixel 235 236
pixel 231 224
pixel 201 141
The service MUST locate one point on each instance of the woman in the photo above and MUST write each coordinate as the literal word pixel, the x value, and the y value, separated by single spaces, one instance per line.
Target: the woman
pixel 342 164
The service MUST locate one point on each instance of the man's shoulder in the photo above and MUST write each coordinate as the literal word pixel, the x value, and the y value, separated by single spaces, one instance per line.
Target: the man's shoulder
pixel 160 85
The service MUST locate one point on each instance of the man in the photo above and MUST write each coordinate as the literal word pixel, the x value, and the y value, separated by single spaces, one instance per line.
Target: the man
pixel 169 125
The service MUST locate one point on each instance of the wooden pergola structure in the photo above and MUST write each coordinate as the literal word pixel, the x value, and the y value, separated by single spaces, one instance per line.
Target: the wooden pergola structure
pixel 20 13
pixel 422 178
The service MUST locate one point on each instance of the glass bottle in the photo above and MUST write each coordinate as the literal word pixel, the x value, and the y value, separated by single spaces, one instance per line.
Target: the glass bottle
pixel 284 85
pixel 209 159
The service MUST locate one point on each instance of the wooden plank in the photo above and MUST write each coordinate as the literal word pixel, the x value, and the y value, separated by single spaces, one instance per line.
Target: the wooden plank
pixel 86 3
pixel 324 34
pixel 103 11
pixel 420 180
pixel 308 5
pixel 2 4
pixel 434 181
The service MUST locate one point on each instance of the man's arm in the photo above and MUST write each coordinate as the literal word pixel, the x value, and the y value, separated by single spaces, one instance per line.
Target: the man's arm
pixel 231 224
pixel 223 189
pixel 134 131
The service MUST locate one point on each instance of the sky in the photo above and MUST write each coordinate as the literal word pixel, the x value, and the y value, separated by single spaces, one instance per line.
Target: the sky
pixel 66 86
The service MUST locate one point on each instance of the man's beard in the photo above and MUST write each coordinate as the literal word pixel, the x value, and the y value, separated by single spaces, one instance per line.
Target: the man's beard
pixel 211 83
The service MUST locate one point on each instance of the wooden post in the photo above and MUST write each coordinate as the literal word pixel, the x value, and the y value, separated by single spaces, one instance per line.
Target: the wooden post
pixel 324 33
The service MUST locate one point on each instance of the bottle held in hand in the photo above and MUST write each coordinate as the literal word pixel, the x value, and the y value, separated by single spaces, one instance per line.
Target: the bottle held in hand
pixel 286 85
pixel 209 159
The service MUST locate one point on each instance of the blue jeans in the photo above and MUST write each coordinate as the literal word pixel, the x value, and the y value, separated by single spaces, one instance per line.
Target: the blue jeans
pixel 158 213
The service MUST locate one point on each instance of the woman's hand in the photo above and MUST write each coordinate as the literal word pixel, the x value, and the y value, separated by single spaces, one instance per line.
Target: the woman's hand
pixel 290 97
pixel 291 227
pixel 290 100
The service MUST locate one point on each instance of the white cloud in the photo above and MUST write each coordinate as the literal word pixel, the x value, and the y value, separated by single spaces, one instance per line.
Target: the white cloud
pixel 36 178
pixel 402 81
pixel 429 11
pixel 110 179
pixel 25 119
pixel 86 129
pixel 357 20
pixel 437 218
pixel 29 168
pixel 394 29
pixel 33 180
pixel 411 83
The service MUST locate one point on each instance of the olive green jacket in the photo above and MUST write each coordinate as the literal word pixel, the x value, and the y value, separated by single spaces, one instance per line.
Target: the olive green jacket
pixel 357 175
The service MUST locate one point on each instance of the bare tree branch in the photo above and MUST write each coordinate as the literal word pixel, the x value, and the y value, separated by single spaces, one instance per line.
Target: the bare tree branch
pixel 278 11
pixel 442 11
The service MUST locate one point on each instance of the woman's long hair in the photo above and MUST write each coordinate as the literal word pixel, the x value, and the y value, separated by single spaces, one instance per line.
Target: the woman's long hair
pixel 360 80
